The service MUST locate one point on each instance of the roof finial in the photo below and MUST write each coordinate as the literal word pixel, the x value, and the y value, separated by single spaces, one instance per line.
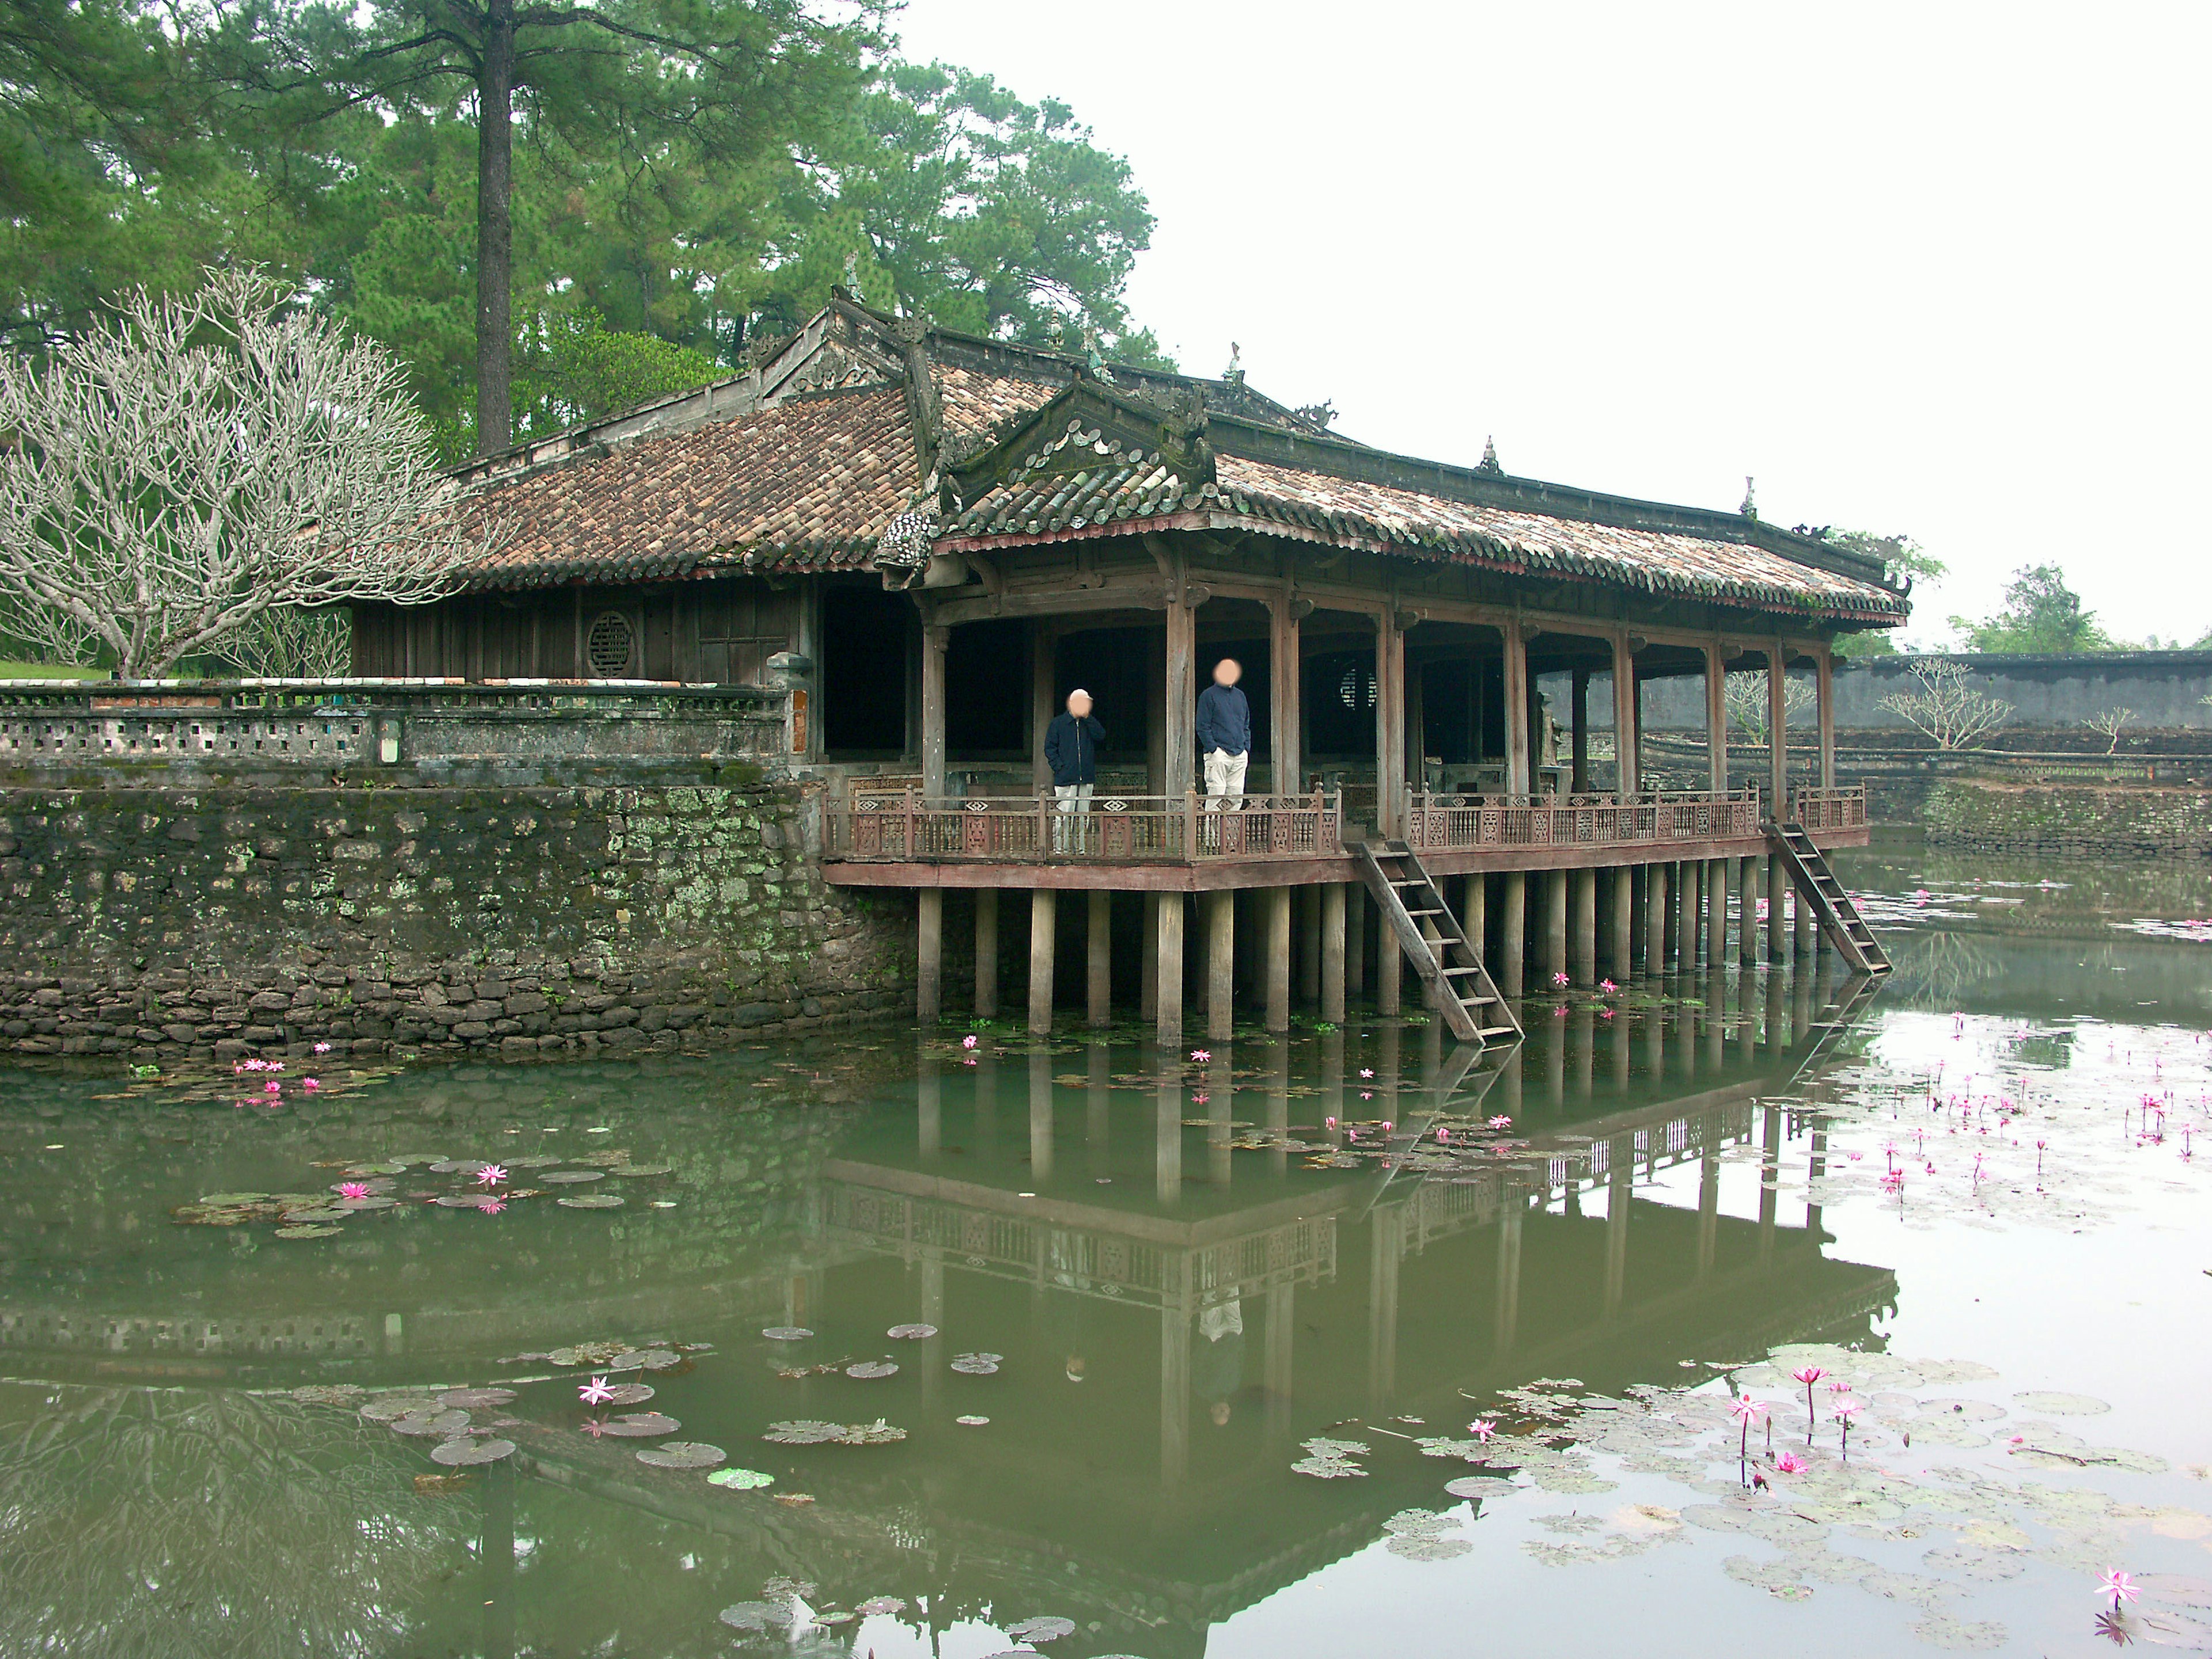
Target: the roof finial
pixel 1489 462
pixel 1234 373
pixel 852 276
pixel 1750 507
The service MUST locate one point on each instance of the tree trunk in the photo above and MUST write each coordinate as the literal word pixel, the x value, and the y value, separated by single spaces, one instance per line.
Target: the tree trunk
pixel 496 228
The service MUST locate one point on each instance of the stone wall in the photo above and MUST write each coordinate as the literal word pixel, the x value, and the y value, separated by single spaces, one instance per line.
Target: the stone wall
pixel 2059 818
pixel 221 917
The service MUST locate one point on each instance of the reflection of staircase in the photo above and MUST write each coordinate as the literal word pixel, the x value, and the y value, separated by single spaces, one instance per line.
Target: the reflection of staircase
pixel 1457 1090
pixel 1453 967
pixel 1817 886
pixel 1834 1021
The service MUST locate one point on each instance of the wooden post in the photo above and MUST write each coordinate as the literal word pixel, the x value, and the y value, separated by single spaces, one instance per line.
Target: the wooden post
pixel 1716 720
pixel 1747 907
pixel 1555 921
pixel 1100 939
pixel 1433 937
pixel 1578 781
pixel 1389 727
pixel 1517 762
pixel 1180 701
pixel 929 956
pixel 1277 965
pixel 1512 930
pixel 1778 734
pixel 1778 924
pixel 1148 975
pixel 1355 941
pixel 1044 915
pixel 1042 645
pixel 1667 893
pixel 1582 936
pixel 986 953
pixel 1717 873
pixel 1332 952
pixel 934 639
pixel 1308 950
pixel 1622 941
pixel 1285 694
pixel 1808 935
pixel 1220 964
pixel 1825 667
pixel 1389 968
pixel 1473 917
pixel 1166 967
pixel 1624 715
pixel 1155 720
pixel 1656 914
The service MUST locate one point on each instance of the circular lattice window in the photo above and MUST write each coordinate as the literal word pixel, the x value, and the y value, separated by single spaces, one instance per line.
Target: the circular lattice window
pixel 608 647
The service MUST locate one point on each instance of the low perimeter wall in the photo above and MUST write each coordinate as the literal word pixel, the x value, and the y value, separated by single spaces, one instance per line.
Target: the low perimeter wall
pixel 215 917
pixel 1994 816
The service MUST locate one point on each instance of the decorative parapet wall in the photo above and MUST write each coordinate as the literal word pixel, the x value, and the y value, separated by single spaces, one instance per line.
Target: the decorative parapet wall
pixel 255 727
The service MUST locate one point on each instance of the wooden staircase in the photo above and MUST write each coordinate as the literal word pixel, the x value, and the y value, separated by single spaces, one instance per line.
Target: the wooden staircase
pixel 1817 886
pixel 1453 969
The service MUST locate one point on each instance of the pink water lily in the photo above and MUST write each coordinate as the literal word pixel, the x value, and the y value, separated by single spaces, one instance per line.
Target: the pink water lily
pixel 1845 1411
pixel 488 1205
pixel 272 1087
pixel 353 1189
pixel 1201 1055
pixel 1790 1463
pixel 491 1175
pixel 322 1048
pixel 969 1041
pixel 1198 1099
pixel 1482 1428
pixel 1501 1122
pixel 2117 1585
pixel 1561 979
pixel 309 1084
pixel 595 1392
pixel 1366 1071
pixel 1808 1375
pixel 1608 987
pixel 1328 1122
pixel 1747 1412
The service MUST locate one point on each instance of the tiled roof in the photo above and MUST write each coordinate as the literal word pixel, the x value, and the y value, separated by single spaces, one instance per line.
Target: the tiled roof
pixel 806 484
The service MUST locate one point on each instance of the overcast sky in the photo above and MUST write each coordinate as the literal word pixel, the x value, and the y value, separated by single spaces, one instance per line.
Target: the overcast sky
pixel 1931 268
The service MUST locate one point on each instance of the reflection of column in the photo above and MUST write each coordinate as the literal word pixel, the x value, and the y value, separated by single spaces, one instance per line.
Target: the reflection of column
pixel 1167 1135
pixel 1386 1246
pixel 932 1313
pixel 1709 1189
pixel 1800 997
pixel 1508 1087
pixel 1746 1014
pixel 1583 1036
pixel 986 1070
pixel 1619 1028
pixel 1655 1041
pixel 1555 1062
pixel 496 1552
pixel 1174 1379
pixel 1769 1180
pixel 1686 1039
pixel 1279 1103
pixel 1716 1021
pixel 1620 1183
pixel 1282 1315
pixel 1815 1169
pixel 1331 1075
pixel 1040 1120
pixel 1097 1114
pixel 929 1103
pixel 1386 1073
pixel 1220 1092
pixel 1505 1313
pixel 1778 1011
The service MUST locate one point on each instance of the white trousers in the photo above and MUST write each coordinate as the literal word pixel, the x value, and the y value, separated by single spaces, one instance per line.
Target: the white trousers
pixel 1224 775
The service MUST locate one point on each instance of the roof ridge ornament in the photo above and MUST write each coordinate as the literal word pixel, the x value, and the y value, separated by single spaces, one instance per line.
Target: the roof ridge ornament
pixel 1489 461
pixel 1750 507
pixel 1234 374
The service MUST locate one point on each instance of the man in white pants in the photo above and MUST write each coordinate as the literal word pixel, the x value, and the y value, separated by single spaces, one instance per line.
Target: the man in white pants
pixel 1225 736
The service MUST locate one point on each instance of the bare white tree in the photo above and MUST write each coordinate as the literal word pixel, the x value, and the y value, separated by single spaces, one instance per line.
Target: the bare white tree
pixel 1942 705
pixel 2106 724
pixel 1744 697
pixel 172 475
pixel 285 642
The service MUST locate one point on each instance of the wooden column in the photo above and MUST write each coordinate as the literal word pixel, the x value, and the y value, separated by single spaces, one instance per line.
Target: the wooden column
pixel 1512 930
pixel 1432 936
pixel 1220 964
pixel 1309 946
pixel 1657 912
pixel 1166 968
pixel 1716 720
pixel 934 638
pixel 1180 701
pixel 1824 667
pixel 1518 763
pixel 1778 924
pixel 1716 886
pixel 1355 939
pixel 1284 694
pixel 1278 903
pixel 1390 727
pixel 986 953
pixel 1624 715
pixel 1473 919
pixel 1622 935
pixel 1156 717
pixel 1747 906
pixel 1389 968
pixel 929 955
pixel 1148 975
pixel 1044 916
pixel 1332 952
pixel 1555 921
pixel 1808 935
pixel 1777 735
pixel 1043 643
pixel 1582 935
pixel 1099 936
pixel 1578 781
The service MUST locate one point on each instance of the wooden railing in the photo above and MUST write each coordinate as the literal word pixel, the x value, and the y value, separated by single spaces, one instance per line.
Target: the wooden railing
pixel 902 826
pixel 1472 823
pixel 1830 809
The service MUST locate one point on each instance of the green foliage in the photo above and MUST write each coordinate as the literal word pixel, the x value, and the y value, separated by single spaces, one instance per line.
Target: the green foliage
pixel 2041 615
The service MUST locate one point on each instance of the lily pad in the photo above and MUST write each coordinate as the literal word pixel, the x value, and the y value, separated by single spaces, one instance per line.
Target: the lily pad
pixel 869 1371
pixel 373 1201
pixel 1479 1487
pixel 972 1422
pixel 786 1332
pixel 878 1434
pixel 1428 1546
pixel 742 1480
pixel 683 1455
pixel 307 1232
pixel 572 1177
pixel 391 1407
pixel 223 1201
pixel 1045 1627
pixel 911 1332
pixel 313 1213
pixel 466 1449
pixel 591 1201
pixel 472 1399
pixel 629 1394
pixel 880 1604
pixel 754 1616
pixel 441 1425
pixel 2061 1405
pixel 977 1364
pixel 643 1170
pixel 641 1425
pixel 803 1431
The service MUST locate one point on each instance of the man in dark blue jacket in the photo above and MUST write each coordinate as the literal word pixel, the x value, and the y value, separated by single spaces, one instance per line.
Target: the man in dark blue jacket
pixel 1225 734
pixel 1072 742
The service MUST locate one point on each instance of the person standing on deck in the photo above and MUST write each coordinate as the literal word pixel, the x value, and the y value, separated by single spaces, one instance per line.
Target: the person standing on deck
pixel 1225 734
pixel 1072 742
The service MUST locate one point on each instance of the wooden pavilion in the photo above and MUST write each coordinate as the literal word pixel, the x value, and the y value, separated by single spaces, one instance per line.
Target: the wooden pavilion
pixel 930 538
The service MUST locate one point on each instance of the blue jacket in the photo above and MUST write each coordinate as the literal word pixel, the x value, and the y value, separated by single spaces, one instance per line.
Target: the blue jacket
pixel 1070 748
pixel 1225 720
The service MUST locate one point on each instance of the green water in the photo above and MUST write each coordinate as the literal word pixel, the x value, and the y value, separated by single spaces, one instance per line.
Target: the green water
pixel 1187 1274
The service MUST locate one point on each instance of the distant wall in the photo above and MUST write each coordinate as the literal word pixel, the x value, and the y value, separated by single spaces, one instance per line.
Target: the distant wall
pixel 2058 818
pixel 2165 689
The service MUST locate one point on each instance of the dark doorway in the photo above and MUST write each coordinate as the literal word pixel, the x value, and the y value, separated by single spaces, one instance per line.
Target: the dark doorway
pixel 1113 664
pixel 986 690
pixel 864 642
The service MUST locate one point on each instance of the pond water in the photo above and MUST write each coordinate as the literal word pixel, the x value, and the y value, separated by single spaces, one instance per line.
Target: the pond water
pixel 917 1347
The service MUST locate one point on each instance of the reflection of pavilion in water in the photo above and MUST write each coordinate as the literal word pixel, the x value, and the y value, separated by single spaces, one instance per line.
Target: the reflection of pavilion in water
pixel 1367 1296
